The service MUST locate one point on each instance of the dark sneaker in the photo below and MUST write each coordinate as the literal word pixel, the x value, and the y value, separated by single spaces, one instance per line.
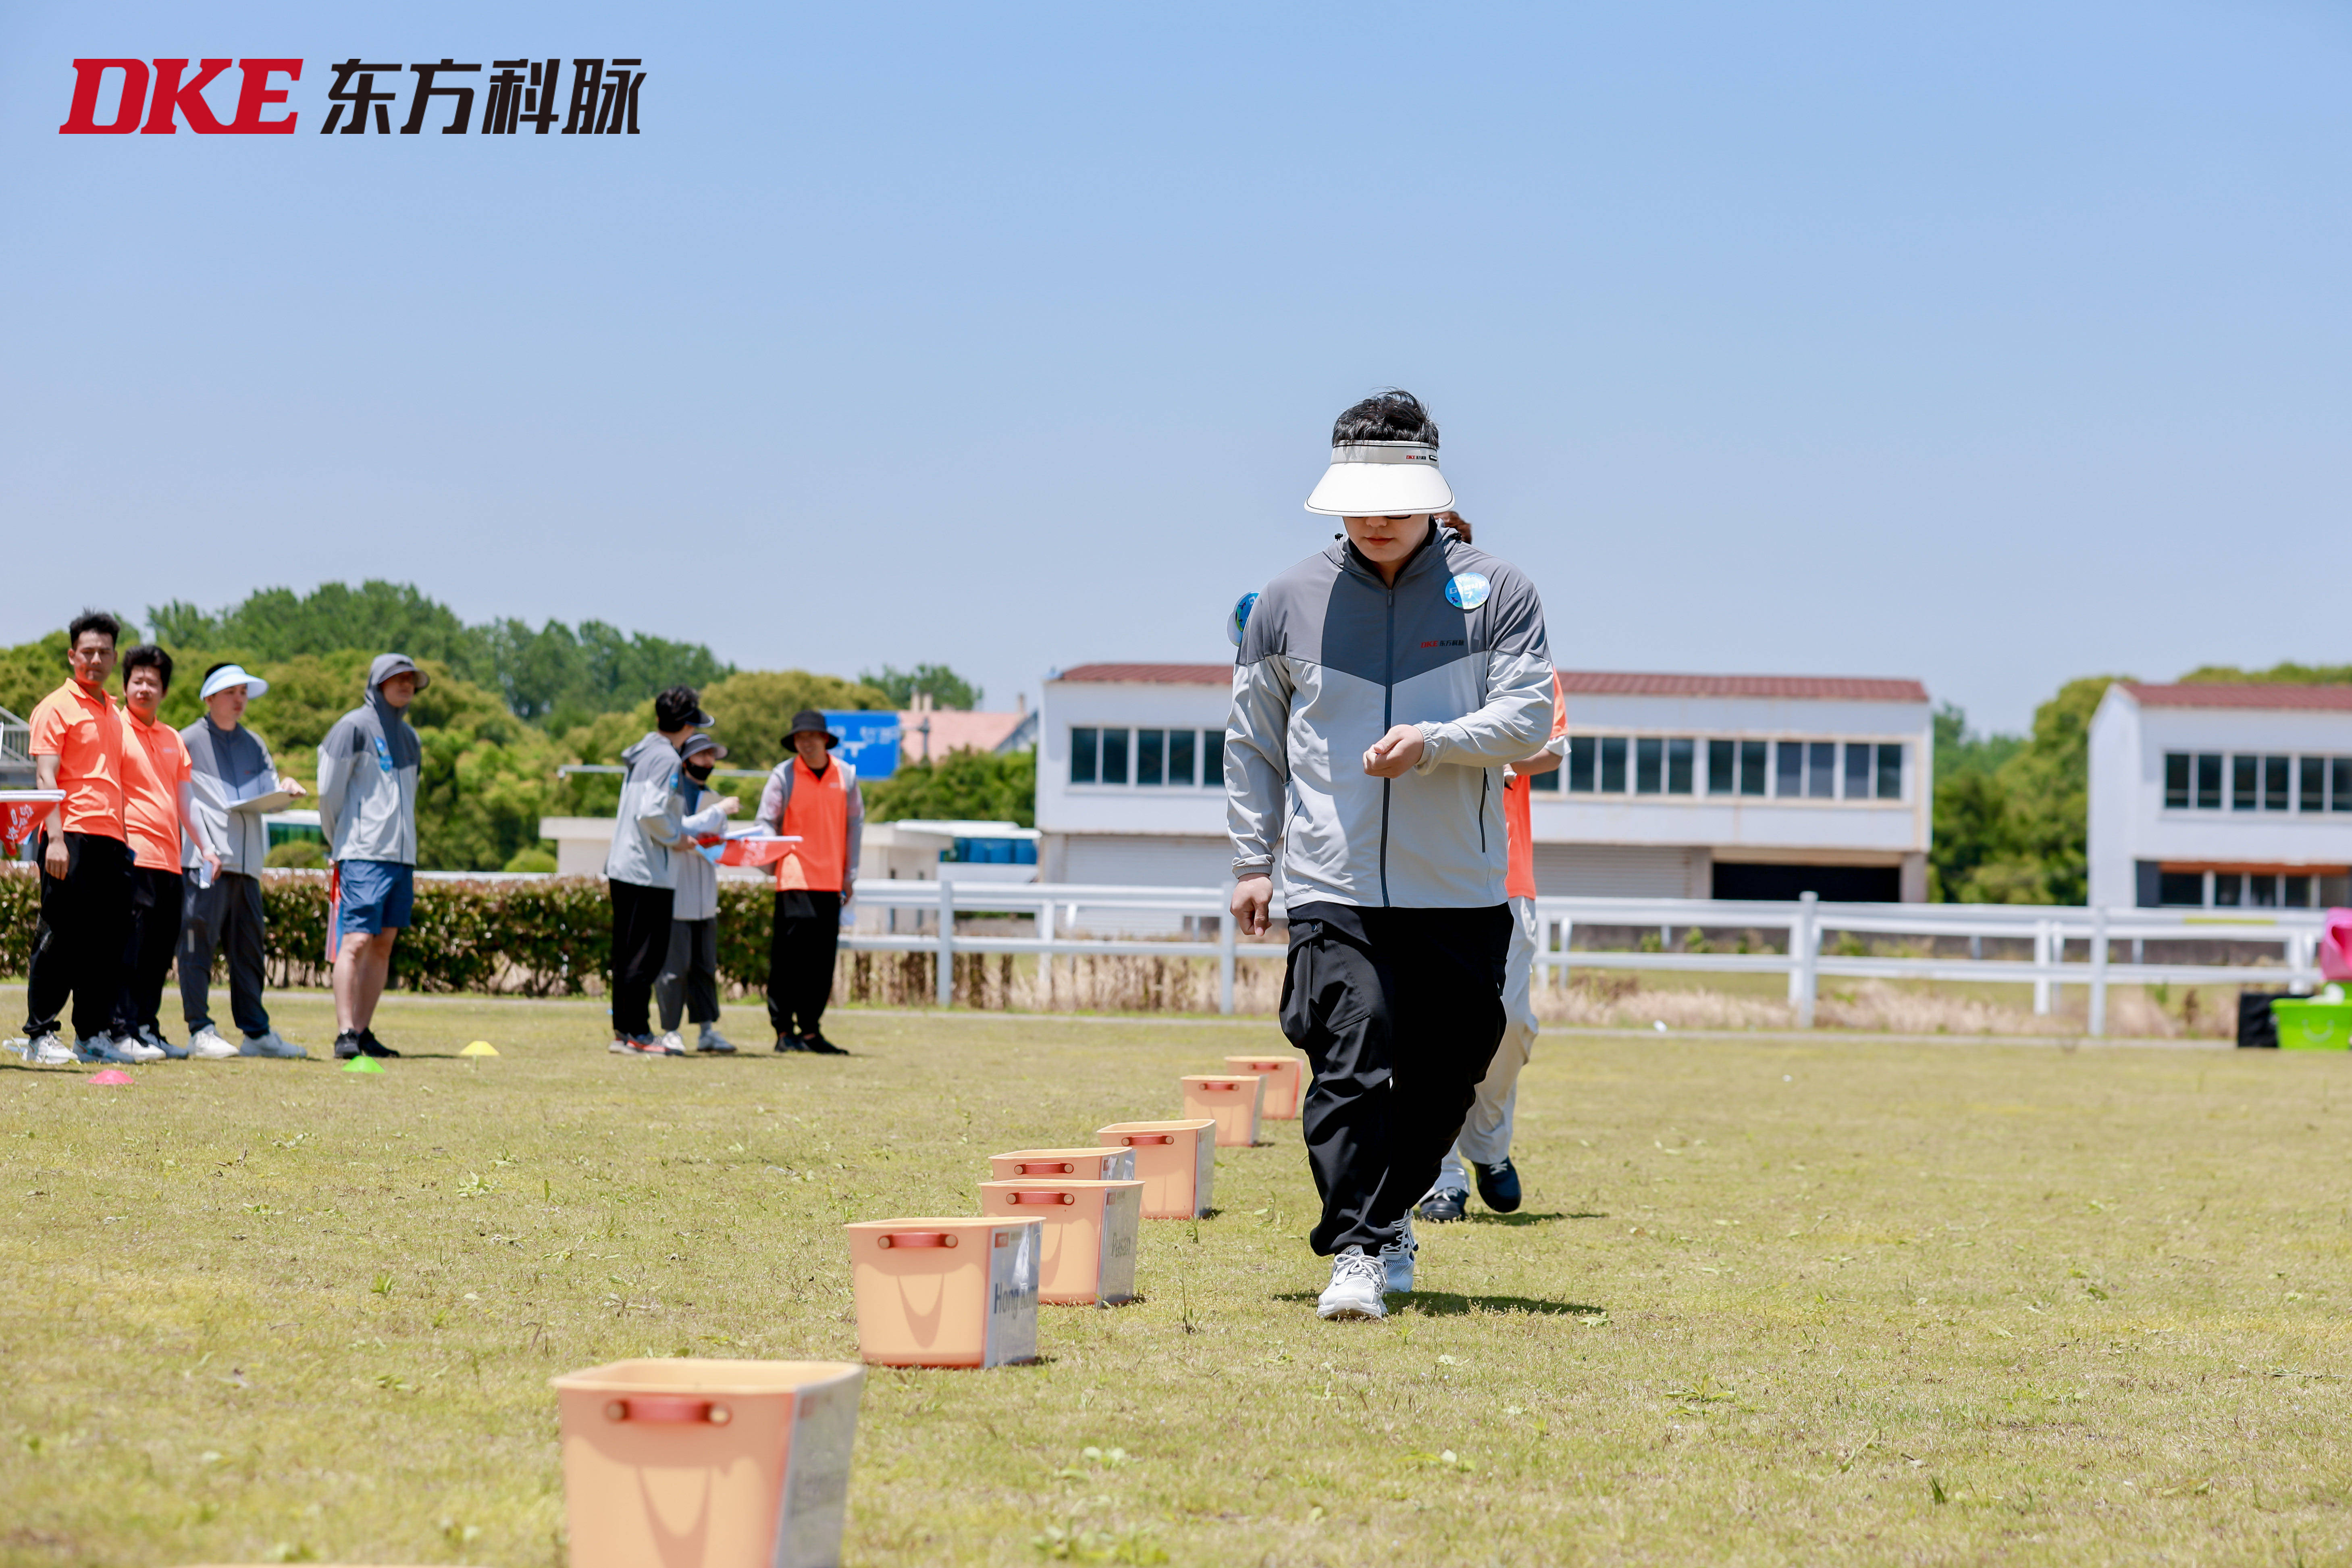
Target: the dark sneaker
pixel 349 1045
pixel 373 1047
pixel 1442 1206
pixel 813 1041
pixel 1498 1185
pixel 788 1043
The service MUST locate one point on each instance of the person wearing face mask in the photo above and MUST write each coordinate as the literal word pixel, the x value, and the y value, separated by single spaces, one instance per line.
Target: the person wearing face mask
pixel 158 807
pixel 688 987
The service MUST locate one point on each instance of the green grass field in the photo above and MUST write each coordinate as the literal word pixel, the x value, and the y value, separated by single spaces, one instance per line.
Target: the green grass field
pixel 1769 1301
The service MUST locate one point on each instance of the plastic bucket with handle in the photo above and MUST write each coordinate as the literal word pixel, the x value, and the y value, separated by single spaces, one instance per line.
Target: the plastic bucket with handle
pixel 1231 1099
pixel 1284 1077
pixel 1175 1161
pixel 1087 1249
pixel 1096 1164
pixel 2305 1025
pixel 709 1463
pixel 945 1292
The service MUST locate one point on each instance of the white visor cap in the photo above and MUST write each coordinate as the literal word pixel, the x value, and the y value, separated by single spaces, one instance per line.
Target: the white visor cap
pixel 1381 478
pixel 229 675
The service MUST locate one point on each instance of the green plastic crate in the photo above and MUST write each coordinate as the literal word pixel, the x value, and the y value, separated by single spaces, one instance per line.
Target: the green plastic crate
pixel 2306 1026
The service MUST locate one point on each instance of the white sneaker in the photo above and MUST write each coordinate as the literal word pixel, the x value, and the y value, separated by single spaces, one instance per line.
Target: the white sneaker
pixel 50 1051
pixel 671 1044
pixel 148 1036
pixel 1355 1287
pixel 207 1045
pixel 269 1045
pixel 1396 1260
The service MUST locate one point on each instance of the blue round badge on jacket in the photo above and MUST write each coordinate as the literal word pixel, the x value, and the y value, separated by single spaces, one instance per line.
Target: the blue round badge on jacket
pixel 1467 590
pixel 1238 621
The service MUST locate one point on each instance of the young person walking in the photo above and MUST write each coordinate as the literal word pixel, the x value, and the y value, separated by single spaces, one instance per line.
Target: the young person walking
pixel 813 794
pixel 688 988
pixel 77 746
pixel 641 867
pixel 227 764
pixel 367 809
pixel 1381 687
pixel 158 811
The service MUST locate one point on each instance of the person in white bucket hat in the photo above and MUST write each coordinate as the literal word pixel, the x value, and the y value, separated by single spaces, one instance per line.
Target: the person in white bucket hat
pixel 1380 688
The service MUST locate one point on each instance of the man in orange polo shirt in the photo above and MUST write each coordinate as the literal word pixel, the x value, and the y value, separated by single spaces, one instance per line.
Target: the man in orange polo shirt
pixel 158 804
pixel 77 746
pixel 814 796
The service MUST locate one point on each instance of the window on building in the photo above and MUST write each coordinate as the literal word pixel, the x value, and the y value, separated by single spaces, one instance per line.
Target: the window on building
pixel 2263 893
pixel 1753 756
pixel 1182 744
pixel 1890 771
pixel 1723 767
pixel 1151 756
pixel 2311 784
pixel 1612 764
pixel 2181 889
pixel 1583 755
pixel 2275 772
pixel 1821 769
pixel 2209 781
pixel 1114 757
pixel 1789 769
pixel 2245 783
pixel 2179 786
pixel 1649 766
pixel 1861 757
pixel 1086 747
pixel 2339 784
pixel 1213 758
pixel 1681 756
pixel 2228 887
pixel 2297 892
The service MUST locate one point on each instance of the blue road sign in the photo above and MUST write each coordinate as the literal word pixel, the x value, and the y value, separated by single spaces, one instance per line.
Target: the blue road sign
pixel 870 741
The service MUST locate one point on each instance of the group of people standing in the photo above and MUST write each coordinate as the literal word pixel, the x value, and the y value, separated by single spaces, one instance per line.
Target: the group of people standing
pixel 669 836
pixel 153 854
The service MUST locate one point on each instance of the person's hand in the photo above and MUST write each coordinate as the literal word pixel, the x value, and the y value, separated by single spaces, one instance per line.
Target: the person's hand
pixel 1394 753
pixel 292 786
pixel 54 859
pixel 1253 897
pixel 729 805
pixel 212 865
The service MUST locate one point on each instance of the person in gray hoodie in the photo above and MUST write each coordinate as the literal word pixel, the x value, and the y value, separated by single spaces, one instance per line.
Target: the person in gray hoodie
pixel 367 809
pixel 688 987
pixel 1381 687
pixel 641 868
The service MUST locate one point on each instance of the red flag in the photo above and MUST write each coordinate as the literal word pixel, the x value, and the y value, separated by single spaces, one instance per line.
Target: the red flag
pixel 19 819
pixel 335 907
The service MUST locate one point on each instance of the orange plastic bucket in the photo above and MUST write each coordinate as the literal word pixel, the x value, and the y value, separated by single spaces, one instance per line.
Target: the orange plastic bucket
pixel 1086 1250
pixel 1096 1164
pixel 1175 1161
pixel 1284 1077
pixel 708 1464
pixel 1231 1099
pixel 945 1292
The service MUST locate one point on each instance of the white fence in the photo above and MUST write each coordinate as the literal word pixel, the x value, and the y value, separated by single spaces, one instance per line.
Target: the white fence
pixel 2047 930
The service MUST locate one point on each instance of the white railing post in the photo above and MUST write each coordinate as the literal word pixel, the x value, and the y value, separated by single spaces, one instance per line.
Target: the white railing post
pixel 1228 932
pixel 1559 962
pixel 2098 972
pixel 946 976
pixel 2041 968
pixel 1805 949
pixel 2302 955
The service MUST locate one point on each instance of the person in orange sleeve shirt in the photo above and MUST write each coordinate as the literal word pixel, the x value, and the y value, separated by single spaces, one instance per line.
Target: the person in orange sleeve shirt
pixel 77 747
pixel 1483 1146
pixel 814 796
pixel 158 805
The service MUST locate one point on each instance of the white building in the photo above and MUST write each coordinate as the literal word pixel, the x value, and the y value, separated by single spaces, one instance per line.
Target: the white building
pixel 1677 786
pixel 2222 796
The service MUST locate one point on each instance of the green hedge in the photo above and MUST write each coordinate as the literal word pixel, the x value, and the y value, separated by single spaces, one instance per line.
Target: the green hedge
pixel 540 938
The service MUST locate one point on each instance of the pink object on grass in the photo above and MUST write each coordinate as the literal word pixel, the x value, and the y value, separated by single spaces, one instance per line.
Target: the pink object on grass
pixel 2335 946
pixel 112 1076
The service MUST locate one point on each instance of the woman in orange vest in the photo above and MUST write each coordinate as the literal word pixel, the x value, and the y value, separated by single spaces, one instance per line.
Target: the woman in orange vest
pixel 815 796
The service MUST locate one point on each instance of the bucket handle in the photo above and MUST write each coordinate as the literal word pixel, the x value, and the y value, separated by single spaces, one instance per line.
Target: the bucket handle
pixel 1029 1197
pixel 668 1410
pixel 1224 1087
pixel 1046 1168
pixel 916 1238
pixel 1131 1138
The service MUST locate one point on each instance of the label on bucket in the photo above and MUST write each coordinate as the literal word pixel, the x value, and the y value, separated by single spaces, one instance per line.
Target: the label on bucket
pixel 1115 1262
pixel 1012 1279
pixel 1118 1166
pixel 816 1476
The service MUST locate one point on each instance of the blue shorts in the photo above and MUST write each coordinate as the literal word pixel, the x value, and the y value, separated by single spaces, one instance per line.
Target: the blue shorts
pixel 377 896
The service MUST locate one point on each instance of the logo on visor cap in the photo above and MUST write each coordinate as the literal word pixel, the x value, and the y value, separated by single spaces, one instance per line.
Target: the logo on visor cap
pixel 1467 590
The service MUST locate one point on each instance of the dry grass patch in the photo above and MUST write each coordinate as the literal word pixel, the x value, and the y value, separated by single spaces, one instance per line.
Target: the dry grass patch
pixel 1829 1300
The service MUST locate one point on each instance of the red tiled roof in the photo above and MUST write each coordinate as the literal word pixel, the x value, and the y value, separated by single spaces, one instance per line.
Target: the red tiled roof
pixel 952 730
pixel 1152 674
pixel 1815 688
pixel 2199 694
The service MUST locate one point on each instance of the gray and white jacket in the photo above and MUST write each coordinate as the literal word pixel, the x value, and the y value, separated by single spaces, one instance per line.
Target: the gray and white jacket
pixel 1331 657
pixel 225 766
pixel 697 898
pixel 367 778
pixel 649 827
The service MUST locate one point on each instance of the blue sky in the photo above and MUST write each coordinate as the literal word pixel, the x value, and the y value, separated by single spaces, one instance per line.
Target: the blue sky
pixel 1991 345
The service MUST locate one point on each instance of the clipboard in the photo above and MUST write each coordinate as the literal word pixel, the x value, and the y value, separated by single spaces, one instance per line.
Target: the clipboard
pixel 276 800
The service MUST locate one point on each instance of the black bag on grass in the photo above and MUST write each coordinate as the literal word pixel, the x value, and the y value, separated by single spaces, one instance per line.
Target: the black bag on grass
pixel 2257 1026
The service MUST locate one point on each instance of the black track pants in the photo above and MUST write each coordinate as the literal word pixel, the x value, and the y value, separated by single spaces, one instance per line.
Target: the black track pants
pixel 151 935
pixel 78 946
pixel 225 918
pixel 800 960
pixel 1399 1012
pixel 688 987
pixel 641 919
